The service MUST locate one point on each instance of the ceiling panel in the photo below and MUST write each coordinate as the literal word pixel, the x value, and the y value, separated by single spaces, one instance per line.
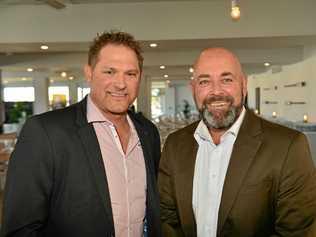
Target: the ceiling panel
pixel 36 2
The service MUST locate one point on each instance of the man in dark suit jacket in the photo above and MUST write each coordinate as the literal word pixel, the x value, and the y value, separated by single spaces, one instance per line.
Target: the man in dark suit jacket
pixel 58 182
pixel 267 188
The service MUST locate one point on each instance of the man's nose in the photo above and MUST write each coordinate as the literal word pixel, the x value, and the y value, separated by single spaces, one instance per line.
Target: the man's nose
pixel 120 81
pixel 217 88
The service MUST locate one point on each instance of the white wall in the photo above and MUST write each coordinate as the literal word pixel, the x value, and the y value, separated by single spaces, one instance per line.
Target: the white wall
pixel 290 74
pixel 183 92
pixel 178 91
pixel 170 106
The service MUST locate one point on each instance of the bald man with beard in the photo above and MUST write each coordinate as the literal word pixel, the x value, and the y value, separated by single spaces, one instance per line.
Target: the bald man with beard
pixel 234 174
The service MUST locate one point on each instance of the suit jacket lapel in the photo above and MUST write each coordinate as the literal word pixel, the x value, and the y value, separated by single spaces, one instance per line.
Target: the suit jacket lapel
pixel 93 154
pixel 143 137
pixel 245 148
pixel 185 169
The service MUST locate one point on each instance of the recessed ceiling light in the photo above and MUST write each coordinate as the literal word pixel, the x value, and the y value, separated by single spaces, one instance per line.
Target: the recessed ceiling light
pixel 63 74
pixel 23 78
pixel 166 76
pixel 5 82
pixel 44 47
pixel 71 77
pixel 167 81
pixel 30 69
pixel 191 69
pixel 51 81
pixel 153 45
pixel 192 78
pixel 266 64
pixel 162 67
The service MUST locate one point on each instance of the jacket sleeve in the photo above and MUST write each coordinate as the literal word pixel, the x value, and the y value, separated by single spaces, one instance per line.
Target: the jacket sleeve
pixel 296 198
pixel 29 183
pixel 157 149
pixel 171 226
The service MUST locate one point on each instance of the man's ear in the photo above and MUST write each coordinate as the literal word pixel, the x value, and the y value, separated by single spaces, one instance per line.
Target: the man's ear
pixel 87 72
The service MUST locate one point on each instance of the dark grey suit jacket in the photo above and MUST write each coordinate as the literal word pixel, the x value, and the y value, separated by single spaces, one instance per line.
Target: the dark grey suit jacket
pixel 269 189
pixel 56 183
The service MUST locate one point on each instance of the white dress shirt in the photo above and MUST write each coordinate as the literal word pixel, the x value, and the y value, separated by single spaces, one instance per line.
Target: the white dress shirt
pixel 209 175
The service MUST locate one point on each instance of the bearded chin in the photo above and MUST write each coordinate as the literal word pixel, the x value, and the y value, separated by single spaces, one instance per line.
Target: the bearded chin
pixel 220 119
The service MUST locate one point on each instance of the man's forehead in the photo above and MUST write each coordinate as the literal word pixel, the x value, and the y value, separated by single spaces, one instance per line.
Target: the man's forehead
pixel 212 55
pixel 218 65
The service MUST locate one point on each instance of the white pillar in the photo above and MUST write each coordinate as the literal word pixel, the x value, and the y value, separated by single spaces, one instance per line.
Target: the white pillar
pixel 144 97
pixel 170 101
pixel 2 112
pixel 40 83
pixel 73 92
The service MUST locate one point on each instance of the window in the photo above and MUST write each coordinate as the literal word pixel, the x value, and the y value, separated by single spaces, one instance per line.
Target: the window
pixel 157 98
pixel 58 96
pixel 82 92
pixel 18 94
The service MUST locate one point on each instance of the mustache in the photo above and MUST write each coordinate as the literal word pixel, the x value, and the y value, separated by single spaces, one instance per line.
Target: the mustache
pixel 211 99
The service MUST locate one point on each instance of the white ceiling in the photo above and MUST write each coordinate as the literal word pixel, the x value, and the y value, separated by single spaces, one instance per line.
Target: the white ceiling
pixel 176 53
pixel 35 2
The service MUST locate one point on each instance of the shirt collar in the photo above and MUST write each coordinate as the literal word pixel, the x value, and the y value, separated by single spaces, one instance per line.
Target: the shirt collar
pixel 94 115
pixel 202 132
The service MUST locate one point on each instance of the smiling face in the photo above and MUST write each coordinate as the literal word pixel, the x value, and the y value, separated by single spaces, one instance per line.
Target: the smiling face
pixel 114 79
pixel 219 88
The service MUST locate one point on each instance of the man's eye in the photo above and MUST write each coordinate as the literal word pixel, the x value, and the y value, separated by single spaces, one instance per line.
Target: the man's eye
pixel 131 74
pixel 108 72
pixel 227 80
pixel 204 82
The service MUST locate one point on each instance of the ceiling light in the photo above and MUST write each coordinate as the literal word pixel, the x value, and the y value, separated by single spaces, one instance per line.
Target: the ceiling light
pixel 30 69
pixel 23 78
pixel 63 74
pixel 5 82
pixel 235 10
pixel 162 67
pixel 167 81
pixel 44 47
pixel 153 45
pixel 266 64
pixel 51 81
pixel 166 76
pixel 192 78
pixel 191 69
pixel 71 77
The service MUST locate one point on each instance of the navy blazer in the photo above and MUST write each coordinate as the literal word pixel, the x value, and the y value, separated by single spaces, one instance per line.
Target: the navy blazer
pixel 56 181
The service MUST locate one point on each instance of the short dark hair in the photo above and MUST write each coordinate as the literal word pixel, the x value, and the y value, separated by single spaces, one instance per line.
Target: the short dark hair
pixel 116 38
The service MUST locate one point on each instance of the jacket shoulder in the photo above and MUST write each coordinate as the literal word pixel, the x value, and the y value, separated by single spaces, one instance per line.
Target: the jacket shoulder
pixel 141 119
pixel 57 119
pixel 184 132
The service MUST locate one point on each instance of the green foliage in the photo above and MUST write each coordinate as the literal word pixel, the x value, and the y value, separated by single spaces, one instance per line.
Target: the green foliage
pixel 18 110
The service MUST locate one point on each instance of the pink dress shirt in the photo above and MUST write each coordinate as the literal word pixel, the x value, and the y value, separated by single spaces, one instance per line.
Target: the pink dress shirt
pixel 126 174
